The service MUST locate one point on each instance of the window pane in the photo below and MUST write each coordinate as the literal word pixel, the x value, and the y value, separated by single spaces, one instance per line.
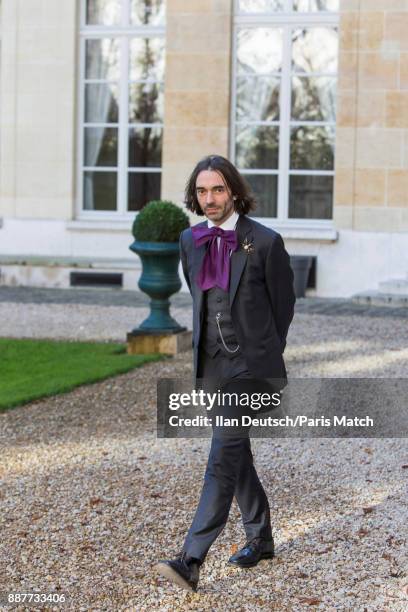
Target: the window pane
pixel 259 50
pixel 101 103
pixel 257 147
pixel 145 103
pixel 260 6
pixel 314 98
pixel 265 189
pixel 103 12
pixel 312 148
pixel 148 12
pixel 100 190
pixel 314 50
pixel 102 59
pixel 143 187
pixel 316 5
pixel 258 98
pixel 101 146
pixel 310 197
pixel 145 146
pixel 147 59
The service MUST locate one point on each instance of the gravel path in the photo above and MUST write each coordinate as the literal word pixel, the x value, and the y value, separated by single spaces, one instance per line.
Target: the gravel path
pixel 91 499
pixel 76 321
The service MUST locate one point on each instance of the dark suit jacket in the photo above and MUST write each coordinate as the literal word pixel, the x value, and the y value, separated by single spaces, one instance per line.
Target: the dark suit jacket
pixel 261 295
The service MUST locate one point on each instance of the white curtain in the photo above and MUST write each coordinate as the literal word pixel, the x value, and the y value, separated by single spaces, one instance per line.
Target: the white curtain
pixel 98 107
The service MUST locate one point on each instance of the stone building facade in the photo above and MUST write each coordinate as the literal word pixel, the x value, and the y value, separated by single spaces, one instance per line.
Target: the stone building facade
pixel 106 104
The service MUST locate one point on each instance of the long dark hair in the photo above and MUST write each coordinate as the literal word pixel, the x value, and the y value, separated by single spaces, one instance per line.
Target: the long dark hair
pixel 236 183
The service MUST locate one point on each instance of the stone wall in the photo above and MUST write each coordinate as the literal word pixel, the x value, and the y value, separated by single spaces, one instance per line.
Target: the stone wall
pixel 38 120
pixel 371 185
pixel 197 100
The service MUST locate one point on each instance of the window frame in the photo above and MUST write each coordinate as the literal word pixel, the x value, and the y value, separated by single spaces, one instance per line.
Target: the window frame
pixel 124 32
pixel 285 19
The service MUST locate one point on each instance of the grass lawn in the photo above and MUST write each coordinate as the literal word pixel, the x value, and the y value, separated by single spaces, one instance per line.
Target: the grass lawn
pixel 30 369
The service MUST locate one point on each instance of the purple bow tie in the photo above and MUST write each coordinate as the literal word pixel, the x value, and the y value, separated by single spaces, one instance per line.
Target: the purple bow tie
pixel 215 271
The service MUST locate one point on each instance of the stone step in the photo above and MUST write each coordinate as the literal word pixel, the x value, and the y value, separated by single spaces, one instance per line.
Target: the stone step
pixel 56 272
pixel 378 298
pixel 68 262
pixel 394 286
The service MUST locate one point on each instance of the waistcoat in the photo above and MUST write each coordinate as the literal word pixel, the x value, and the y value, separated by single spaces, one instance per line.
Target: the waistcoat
pixel 217 301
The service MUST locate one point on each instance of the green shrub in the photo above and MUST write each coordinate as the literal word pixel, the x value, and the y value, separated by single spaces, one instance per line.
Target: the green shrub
pixel 160 221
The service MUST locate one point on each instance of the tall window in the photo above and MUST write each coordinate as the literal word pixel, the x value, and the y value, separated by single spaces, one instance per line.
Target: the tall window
pixel 284 104
pixel 122 63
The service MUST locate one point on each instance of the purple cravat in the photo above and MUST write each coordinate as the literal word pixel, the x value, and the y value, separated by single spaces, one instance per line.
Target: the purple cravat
pixel 215 271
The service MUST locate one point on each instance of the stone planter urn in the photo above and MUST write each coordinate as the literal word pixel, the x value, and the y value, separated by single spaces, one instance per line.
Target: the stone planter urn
pixel 156 231
pixel 159 280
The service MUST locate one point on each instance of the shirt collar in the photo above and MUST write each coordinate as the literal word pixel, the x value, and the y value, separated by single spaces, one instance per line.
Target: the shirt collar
pixel 229 224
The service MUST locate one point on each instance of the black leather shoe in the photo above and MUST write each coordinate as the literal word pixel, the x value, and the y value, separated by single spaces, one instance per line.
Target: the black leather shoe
pixel 253 552
pixel 183 571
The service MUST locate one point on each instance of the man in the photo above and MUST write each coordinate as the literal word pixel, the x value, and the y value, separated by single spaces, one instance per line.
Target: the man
pixel 240 278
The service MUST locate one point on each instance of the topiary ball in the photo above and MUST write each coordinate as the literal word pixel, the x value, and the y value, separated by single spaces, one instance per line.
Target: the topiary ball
pixel 160 221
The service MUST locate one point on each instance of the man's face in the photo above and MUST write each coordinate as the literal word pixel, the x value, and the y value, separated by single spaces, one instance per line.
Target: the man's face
pixel 214 197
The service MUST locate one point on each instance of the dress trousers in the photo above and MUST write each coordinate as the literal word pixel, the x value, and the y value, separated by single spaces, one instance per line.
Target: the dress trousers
pixel 230 469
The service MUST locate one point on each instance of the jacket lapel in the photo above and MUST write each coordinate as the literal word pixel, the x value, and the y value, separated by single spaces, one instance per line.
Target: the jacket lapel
pixel 239 257
pixel 197 261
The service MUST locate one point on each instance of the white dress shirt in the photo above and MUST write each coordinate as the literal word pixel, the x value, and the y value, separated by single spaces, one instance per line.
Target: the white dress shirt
pixel 229 224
